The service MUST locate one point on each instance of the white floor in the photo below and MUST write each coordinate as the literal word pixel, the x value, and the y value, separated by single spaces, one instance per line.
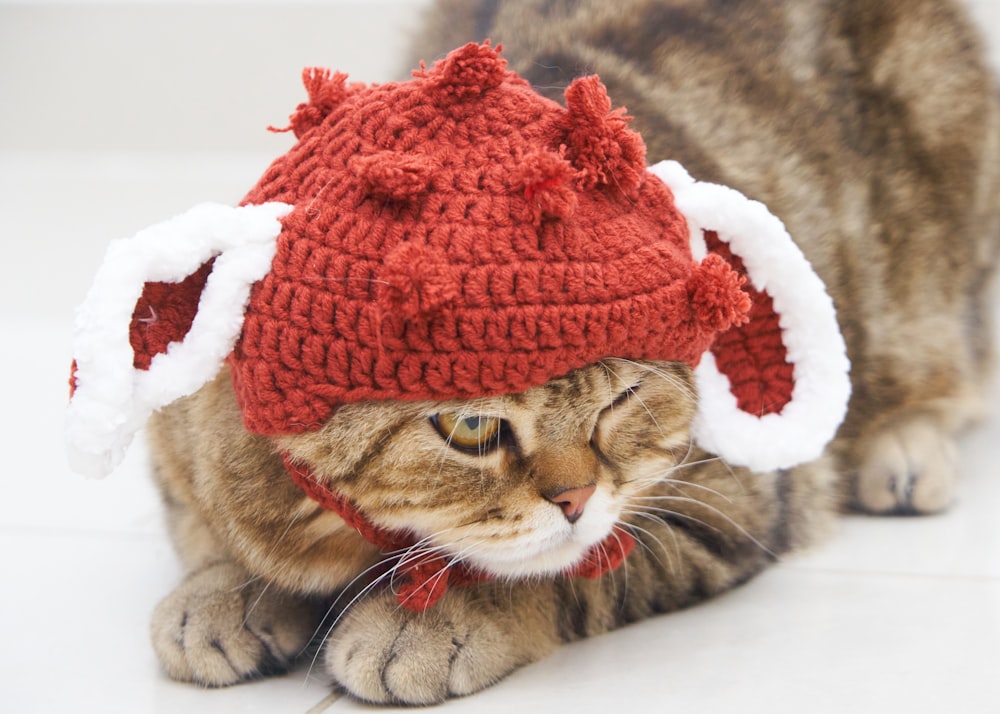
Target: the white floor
pixel 892 615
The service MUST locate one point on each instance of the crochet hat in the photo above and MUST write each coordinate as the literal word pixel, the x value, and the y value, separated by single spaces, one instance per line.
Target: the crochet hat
pixel 458 235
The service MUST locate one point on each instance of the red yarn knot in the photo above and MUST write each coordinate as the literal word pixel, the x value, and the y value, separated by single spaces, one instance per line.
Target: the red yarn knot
pixel 599 141
pixel 718 300
pixel 547 180
pixel 394 176
pixel 420 586
pixel 415 282
pixel 326 90
pixel 604 557
pixel 470 71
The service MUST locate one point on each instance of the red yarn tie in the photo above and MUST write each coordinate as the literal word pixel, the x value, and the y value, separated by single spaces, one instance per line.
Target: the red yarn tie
pixel 422 581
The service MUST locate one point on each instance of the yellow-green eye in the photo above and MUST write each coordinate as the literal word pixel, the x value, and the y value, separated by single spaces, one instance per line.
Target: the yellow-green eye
pixel 468 433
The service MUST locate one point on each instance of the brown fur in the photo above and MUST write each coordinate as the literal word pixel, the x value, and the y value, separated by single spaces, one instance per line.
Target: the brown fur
pixel 871 128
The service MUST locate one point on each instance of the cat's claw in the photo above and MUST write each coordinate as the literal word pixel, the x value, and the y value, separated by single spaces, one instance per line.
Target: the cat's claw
pixel 909 468
pixel 385 654
pixel 219 628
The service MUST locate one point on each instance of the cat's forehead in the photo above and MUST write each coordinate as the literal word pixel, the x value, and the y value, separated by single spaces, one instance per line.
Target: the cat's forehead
pixel 560 407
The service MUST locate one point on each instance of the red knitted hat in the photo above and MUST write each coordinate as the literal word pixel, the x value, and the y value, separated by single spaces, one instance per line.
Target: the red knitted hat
pixel 456 235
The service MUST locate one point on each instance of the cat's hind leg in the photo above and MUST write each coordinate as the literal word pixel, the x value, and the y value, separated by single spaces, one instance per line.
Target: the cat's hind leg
pixel 908 467
pixel 901 443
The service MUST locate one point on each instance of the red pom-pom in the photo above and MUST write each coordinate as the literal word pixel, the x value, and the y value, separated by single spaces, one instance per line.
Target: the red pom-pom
pixel 326 90
pixel 718 300
pixel 548 187
pixel 470 70
pixel 599 141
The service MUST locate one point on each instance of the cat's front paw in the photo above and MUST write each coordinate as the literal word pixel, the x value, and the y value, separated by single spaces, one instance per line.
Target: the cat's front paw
pixel 220 626
pixel 385 654
pixel 911 467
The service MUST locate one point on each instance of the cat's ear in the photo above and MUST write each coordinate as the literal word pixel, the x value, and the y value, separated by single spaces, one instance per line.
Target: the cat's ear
pixel 774 390
pixel 163 313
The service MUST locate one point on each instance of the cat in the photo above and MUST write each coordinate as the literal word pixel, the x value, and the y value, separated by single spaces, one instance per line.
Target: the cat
pixel 871 128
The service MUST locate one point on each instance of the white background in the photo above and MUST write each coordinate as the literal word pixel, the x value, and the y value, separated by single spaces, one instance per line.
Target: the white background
pixel 118 115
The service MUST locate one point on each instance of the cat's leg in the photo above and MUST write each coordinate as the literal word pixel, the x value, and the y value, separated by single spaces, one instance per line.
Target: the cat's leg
pixel 468 640
pixel 910 466
pixel 221 626
pixel 919 292
pixel 900 449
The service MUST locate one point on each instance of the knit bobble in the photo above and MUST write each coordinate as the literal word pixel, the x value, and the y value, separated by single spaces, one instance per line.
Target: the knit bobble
pixel 470 71
pixel 394 176
pixel 718 300
pixel 599 142
pixel 414 282
pixel 326 90
pixel 548 188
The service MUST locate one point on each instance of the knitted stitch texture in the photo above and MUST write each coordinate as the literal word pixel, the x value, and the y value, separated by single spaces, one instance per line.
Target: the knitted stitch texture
pixel 455 236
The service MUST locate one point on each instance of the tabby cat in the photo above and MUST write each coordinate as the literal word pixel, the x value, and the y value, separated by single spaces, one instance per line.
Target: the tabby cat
pixel 871 128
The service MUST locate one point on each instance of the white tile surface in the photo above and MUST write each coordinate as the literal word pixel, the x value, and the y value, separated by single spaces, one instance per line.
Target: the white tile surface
pixel 892 615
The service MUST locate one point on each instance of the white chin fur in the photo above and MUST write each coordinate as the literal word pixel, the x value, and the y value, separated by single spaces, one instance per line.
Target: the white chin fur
pixel 552 546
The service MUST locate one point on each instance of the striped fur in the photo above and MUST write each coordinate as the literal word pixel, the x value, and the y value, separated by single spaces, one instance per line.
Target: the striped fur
pixel 871 128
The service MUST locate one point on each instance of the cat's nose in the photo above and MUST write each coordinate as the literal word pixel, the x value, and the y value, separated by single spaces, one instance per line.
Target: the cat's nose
pixel 572 500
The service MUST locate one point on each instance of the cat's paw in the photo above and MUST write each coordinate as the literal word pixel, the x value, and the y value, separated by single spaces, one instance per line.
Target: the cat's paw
pixel 220 627
pixel 910 467
pixel 385 654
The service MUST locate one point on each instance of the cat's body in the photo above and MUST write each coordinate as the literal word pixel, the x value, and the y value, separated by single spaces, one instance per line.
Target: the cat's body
pixel 870 128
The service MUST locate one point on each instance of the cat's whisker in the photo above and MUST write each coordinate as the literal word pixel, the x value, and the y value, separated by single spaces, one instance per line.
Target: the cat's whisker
pixel 345 609
pixel 409 556
pixel 611 389
pixel 672 380
pixel 618 540
pixel 722 514
pixel 651 481
pixel 442 572
pixel 253 606
pixel 632 526
pixel 398 559
pixel 679 485
pixel 632 394
pixel 423 542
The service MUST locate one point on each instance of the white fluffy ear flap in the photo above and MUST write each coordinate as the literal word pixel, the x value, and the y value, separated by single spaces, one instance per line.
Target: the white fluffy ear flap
pixel 111 399
pixel 750 412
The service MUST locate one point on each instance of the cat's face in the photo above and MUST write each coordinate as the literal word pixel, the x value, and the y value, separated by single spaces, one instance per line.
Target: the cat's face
pixel 512 485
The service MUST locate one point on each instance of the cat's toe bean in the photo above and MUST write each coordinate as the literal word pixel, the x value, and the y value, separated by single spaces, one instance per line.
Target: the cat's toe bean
pixel 908 468
pixel 383 653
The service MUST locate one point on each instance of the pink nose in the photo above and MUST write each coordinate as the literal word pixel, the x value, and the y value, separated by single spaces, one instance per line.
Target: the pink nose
pixel 572 500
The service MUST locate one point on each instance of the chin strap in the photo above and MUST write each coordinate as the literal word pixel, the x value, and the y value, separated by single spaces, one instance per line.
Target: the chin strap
pixel 421 580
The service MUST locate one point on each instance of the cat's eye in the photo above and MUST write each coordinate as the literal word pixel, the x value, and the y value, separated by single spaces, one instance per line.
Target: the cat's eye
pixel 625 395
pixel 476 434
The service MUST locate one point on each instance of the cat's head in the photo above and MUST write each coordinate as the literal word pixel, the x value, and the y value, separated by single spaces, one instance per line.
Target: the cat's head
pixel 513 485
pixel 459 237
